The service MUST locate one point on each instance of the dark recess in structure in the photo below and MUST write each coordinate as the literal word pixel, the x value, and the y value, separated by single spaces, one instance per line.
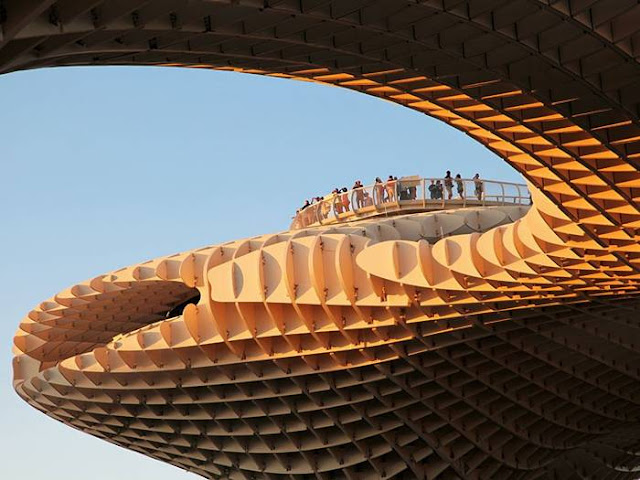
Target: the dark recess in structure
pixel 178 309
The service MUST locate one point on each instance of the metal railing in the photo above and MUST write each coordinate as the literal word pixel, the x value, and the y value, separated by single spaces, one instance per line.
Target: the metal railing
pixel 409 194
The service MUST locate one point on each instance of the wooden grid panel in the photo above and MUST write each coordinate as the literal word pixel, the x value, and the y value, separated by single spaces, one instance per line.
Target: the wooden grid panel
pixel 306 359
pixel 379 349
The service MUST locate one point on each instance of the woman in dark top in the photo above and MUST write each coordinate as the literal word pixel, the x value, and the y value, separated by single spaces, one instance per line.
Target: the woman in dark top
pixel 448 185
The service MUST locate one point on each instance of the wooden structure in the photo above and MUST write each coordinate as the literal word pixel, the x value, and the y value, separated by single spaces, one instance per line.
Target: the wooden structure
pixel 509 348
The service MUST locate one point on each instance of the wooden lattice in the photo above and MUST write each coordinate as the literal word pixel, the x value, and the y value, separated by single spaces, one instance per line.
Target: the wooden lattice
pixel 476 343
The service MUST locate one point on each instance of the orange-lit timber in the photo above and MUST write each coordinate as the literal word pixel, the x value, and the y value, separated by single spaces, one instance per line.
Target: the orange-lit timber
pixel 510 348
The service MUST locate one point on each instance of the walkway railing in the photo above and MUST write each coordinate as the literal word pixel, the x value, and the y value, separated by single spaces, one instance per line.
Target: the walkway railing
pixel 409 194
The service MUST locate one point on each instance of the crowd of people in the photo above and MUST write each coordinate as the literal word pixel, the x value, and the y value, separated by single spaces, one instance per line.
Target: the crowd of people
pixel 390 190
pixel 436 188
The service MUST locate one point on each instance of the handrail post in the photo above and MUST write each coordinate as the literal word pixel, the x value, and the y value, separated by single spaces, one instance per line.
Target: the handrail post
pixel 424 193
pixel 502 188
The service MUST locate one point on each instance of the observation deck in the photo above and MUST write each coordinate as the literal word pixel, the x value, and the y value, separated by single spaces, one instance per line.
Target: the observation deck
pixel 408 195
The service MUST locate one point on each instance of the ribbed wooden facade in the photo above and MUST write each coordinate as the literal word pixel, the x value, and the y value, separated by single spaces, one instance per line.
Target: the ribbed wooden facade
pixel 477 343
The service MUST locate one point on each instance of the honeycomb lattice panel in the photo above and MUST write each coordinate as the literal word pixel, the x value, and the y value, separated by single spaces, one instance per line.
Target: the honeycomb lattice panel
pixel 361 351
pixel 480 343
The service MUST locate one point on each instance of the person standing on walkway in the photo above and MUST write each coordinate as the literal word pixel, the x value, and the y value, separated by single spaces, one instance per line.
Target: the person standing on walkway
pixel 379 191
pixel 390 186
pixel 345 199
pixel 460 186
pixel 448 185
pixel 433 190
pixel 359 191
pixel 337 202
pixel 478 186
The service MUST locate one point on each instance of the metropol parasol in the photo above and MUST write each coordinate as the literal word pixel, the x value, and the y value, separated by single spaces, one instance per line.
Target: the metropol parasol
pixel 475 340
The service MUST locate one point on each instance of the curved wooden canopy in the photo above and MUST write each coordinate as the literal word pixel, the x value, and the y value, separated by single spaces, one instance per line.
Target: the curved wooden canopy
pixel 375 350
pixel 551 87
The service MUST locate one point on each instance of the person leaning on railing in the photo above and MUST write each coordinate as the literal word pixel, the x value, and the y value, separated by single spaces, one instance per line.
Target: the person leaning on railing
pixel 344 198
pixel 390 187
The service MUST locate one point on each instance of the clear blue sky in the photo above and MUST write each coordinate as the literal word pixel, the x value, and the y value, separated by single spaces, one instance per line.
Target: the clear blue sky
pixel 105 167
